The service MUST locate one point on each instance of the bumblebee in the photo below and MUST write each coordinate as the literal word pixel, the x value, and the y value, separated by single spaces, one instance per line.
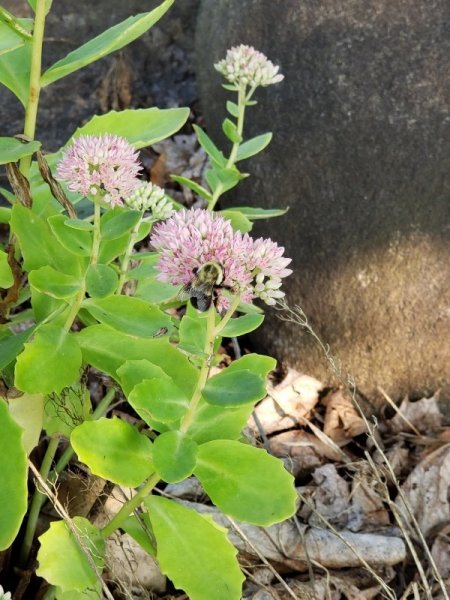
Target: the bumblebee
pixel 202 290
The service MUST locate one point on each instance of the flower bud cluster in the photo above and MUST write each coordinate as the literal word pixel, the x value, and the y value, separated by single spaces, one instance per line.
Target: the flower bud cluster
pixel 152 198
pixel 243 65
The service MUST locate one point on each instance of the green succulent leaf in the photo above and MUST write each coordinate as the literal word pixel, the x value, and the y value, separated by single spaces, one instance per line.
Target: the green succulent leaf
pixel 28 412
pixel 140 531
pixel 79 224
pixel 15 71
pixel 107 42
pixel 115 450
pixel 226 178
pixel 63 563
pixel 257 363
pixel 242 325
pixel 213 422
pixel 239 221
pixel 158 399
pixel 235 477
pixel 6 276
pixel 254 214
pixel 12 149
pixel 233 109
pixel 14 470
pixel 117 222
pixel 174 456
pixel 11 344
pixel 154 291
pixel 53 283
pixel 101 281
pixel 194 552
pixel 107 350
pixel 234 388
pixel 141 127
pixel 75 240
pixel 50 362
pixel 130 315
pixel 230 130
pixel 253 146
pixel 192 185
pixel 209 147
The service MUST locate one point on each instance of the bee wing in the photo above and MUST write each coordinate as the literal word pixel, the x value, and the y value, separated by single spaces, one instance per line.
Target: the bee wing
pixel 185 293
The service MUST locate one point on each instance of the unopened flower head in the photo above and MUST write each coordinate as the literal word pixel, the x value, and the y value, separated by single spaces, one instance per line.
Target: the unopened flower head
pixel 243 65
pixel 100 166
pixel 152 198
pixel 191 238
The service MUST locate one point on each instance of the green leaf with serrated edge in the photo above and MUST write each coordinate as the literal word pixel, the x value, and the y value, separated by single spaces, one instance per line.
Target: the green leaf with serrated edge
pixel 39 246
pixel 93 593
pixel 111 249
pixel 209 146
pixel 79 224
pixel 76 241
pixel 133 372
pixel 213 422
pixel 174 456
pixel 101 281
pixel 45 306
pixel 235 476
pixel 14 470
pixel 238 221
pixel 192 185
pixel 141 127
pixel 242 325
pixel 155 291
pixel 254 146
pixel 50 362
pixel 140 531
pixel 192 335
pixel 115 450
pixel 117 222
pixel 28 412
pixel 234 388
pixel 15 71
pixel 53 283
pixel 107 42
pixel 256 363
pixel 6 276
pixel 12 149
pixel 5 214
pixel 107 350
pixel 65 411
pixel 230 130
pixel 260 213
pixel 130 315
pixel 194 552
pixel 12 345
pixel 158 399
pixel 226 178
pixel 61 560
pixel 232 108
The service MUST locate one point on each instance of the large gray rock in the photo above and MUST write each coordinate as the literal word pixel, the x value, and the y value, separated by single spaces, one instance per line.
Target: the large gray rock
pixel 361 154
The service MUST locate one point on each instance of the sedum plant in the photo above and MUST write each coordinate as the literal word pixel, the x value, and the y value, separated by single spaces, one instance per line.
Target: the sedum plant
pixel 77 295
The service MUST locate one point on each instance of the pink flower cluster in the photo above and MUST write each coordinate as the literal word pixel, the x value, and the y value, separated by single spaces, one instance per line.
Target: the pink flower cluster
pixel 190 238
pixel 104 167
pixel 243 65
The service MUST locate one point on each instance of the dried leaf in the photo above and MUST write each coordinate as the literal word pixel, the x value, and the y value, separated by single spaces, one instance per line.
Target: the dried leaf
pixel 331 498
pixel 342 421
pixel 287 403
pixel 440 552
pixel 425 415
pixel 426 491
pixel 367 510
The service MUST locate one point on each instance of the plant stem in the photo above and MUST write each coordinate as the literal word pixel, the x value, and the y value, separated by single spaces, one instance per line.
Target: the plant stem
pixel 38 498
pixel 126 257
pixel 35 83
pixel 242 100
pixel 204 370
pixel 36 503
pixel 75 307
pixel 227 316
pixel 96 240
pixel 129 507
